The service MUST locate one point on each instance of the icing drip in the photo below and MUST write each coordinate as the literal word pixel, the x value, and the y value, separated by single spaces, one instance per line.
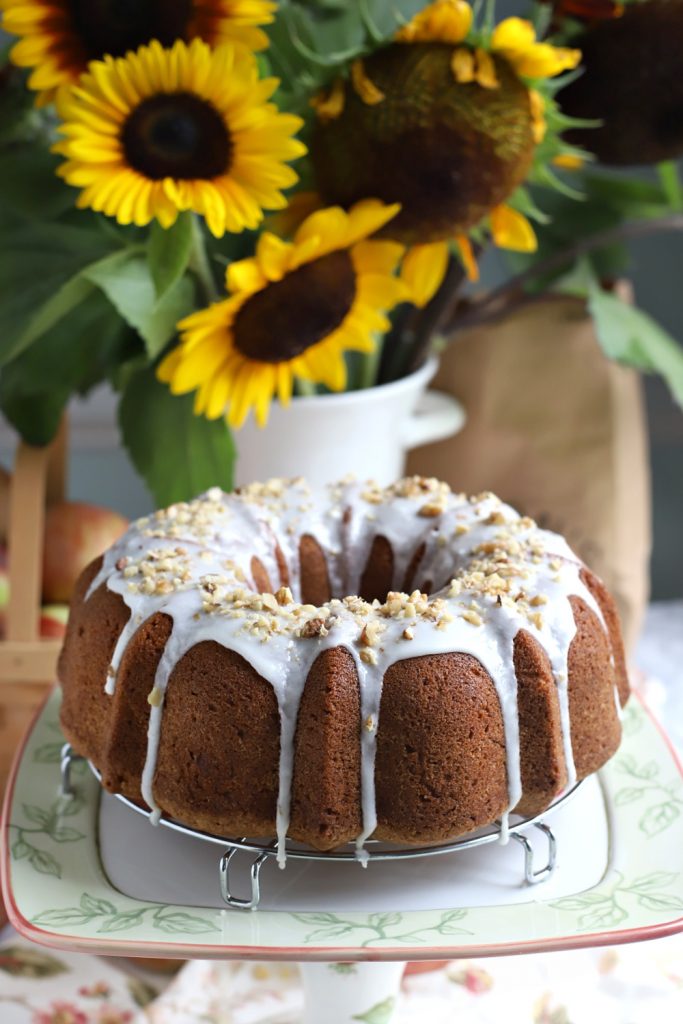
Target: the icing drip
pixel 491 573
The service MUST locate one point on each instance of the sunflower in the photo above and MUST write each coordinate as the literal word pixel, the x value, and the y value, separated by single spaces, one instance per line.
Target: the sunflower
pixel 60 37
pixel 189 128
pixel 457 115
pixel 292 311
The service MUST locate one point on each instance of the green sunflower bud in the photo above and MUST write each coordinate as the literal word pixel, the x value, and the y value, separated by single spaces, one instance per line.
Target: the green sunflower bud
pixel 448 152
pixel 633 83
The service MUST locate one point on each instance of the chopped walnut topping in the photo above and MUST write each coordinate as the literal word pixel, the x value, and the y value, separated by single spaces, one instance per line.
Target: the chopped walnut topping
pixel 538 599
pixel 461 529
pixel 495 519
pixel 313 627
pixel 369 724
pixel 121 563
pixel 270 602
pixel 155 697
pixel 537 619
pixel 370 633
pixel 432 509
pixel 283 596
pixel 408 634
pixel 473 617
pixel 368 655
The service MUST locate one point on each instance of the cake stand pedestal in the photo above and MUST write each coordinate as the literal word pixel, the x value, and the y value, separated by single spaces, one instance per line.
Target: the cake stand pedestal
pixel 85 873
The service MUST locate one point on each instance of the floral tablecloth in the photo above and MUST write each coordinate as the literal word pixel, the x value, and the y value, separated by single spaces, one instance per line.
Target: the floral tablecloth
pixel 636 984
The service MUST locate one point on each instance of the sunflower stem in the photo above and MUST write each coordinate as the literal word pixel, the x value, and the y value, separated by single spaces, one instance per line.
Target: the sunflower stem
pixel 304 388
pixel 199 261
pixel 369 365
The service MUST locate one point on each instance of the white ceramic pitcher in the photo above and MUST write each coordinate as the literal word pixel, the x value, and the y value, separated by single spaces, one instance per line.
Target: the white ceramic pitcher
pixel 367 432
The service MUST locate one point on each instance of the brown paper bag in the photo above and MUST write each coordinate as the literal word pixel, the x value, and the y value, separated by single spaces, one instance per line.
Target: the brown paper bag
pixel 559 432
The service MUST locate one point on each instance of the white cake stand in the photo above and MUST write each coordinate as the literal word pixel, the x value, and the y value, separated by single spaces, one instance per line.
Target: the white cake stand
pixel 88 873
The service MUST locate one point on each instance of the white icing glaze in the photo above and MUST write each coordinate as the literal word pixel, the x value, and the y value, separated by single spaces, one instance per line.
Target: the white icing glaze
pixel 491 573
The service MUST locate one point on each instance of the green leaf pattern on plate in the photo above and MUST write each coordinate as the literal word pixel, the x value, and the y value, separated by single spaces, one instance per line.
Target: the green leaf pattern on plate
pixel 163 917
pixel 609 906
pixel 45 822
pixel 388 926
pixel 666 800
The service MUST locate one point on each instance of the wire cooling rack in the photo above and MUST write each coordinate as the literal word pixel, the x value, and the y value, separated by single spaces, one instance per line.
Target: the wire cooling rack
pixel 261 852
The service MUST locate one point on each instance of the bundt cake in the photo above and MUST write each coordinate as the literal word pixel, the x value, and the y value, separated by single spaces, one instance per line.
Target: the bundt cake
pixel 405 663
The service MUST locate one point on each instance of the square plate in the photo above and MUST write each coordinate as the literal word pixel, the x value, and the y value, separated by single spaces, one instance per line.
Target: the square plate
pixel 58 894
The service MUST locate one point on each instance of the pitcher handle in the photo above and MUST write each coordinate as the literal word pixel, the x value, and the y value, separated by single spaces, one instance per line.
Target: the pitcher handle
pixel 435 417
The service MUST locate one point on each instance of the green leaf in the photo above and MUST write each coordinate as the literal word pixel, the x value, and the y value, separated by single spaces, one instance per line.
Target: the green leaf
pixel 29 185
pixel 169 252
pixel 656 880
pixel 385 920
pixel 75 354
pixel 380 1013
pixel 580 902
pixel 322 917
pixel 627 796
pixel 95 906
pixel 66 835
pixel 36 815
pixel 39 279
pixel 660 901
pixel 126 279
pixel 45 863
pixel 49 753
pixel 20 848
pixel 603 917
pixel 23 962
pixel 177 453
pixel 62 918
pixel 121 922
pixel 178 921
pixel 631 336
pixel 659 817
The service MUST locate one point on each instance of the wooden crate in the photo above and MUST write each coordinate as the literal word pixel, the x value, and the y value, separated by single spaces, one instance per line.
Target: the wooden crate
pixel 27 662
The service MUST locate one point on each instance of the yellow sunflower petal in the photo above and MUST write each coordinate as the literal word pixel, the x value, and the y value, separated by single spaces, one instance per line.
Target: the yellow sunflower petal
pixel 510 229
pixel 545 61
pixel 468 258
pixel 486 70
pixel 463 66
pixel 513 35
pixel 364 88
pixel 538 122
pixel 329 104
pixel 569 161
pixel 244 276
pixel 367 217
pixel 444 21
pixel 272 256
pixel 378 257
pixel 423 269
pixel 329 226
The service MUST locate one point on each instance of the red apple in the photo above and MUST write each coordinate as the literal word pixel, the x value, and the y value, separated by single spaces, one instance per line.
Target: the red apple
pixel 75 533
pixel 53 618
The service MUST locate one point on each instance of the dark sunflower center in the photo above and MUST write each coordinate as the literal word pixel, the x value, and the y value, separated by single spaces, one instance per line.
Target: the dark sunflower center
pixel 291 315
pixel 177 135
pixel 116 26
